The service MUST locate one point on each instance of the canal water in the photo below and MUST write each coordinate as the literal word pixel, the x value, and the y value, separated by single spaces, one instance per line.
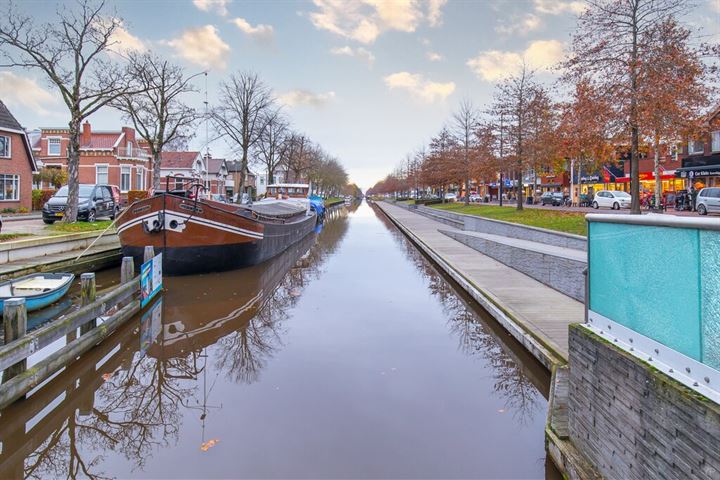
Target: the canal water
pixel 348 356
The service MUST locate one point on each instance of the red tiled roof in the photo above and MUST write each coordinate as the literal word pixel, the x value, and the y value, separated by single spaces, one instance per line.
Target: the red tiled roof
pixel 102 140
pixel 178 159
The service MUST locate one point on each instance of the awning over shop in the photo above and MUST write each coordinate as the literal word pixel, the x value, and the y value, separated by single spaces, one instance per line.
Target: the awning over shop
pixel 647 177
pixel 694 172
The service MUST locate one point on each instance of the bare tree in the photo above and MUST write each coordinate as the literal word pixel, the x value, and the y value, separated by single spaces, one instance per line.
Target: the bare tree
pixel 71 52
pixel 513 101
pixel 465 122
pixel 242 113
pixel 611 42
pixel 298 160
pixel 273 143
pixel 158 113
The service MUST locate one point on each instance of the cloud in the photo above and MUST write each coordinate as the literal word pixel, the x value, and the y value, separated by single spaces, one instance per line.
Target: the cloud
pixel 300 97
pixel 260 32
pixel 218 6
pixel 359 52
pixel 515 25
pixel 558 7
pixel 365 20
pixel 24 93
pixel 434 56
pixel 426 90
pixel 125 41
pixel 715 5
pixel 202 46
pixel 435 12
pixel 494 65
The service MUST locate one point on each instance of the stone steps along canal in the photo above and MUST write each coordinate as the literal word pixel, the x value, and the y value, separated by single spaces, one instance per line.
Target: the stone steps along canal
pixel 347 356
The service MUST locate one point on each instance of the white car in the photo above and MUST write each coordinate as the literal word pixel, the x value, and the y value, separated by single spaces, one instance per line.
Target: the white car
pixel 474 197
pixel 611 199
pixel 450 197
pixel 708 201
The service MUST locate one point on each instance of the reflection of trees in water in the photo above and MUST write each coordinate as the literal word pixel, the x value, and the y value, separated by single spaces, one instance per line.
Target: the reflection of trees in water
pixel 245 352
pixel 474 338
pixel 134 412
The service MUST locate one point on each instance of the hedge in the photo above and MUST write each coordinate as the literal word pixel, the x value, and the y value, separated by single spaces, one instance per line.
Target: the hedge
pixel 40 197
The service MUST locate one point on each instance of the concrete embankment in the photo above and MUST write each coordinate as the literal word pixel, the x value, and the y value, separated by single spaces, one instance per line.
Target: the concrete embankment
pixel 59 253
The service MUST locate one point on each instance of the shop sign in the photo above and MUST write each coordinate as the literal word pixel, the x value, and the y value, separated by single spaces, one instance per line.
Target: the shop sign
pixel 698 173
pixel 150 279
pixel 590 179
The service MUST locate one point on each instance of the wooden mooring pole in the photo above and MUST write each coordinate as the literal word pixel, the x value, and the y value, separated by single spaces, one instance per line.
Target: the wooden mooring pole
pixel 148 254
pixel 127 270
pixel 15 319
pixel 87 296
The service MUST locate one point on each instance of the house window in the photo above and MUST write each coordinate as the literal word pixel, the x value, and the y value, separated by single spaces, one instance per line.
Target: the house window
pixel 10 187
pixel 101 174
pixel 716 141
pixel 54 147
pixel 695 146
pixel 129 149
pixel 139 178
pixel 125 178
pixel 4 146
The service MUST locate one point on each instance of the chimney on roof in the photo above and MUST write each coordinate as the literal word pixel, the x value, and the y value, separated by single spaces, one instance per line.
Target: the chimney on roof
pixel 86 134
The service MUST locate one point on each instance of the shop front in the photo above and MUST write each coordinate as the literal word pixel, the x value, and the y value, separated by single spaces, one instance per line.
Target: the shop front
pixel 699 177
pixel 670 183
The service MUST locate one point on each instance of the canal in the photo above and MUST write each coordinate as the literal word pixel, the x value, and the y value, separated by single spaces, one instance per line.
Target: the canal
pixel 348 356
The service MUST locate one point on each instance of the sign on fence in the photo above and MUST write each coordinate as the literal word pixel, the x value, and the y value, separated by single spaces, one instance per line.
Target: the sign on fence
pixel 150 279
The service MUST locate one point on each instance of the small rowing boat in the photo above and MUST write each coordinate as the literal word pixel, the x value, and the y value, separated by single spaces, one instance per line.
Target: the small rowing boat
pixel 38 289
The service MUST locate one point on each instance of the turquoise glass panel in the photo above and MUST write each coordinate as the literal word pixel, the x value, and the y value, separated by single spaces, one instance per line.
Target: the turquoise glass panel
pixel 710 296
pixel 647 279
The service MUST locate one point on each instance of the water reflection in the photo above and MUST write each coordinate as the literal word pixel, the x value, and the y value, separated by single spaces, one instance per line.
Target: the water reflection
pixel 130 394
pixel 519 379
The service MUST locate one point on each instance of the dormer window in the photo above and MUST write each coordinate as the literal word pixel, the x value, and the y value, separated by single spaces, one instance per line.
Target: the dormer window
pixel 715 141
pixel 129 149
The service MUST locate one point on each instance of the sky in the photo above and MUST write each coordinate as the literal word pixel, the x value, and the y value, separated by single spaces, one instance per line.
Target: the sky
pixel 369 80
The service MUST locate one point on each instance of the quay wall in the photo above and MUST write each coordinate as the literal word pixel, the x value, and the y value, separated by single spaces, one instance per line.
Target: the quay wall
pixel 634 422
pixel 38 247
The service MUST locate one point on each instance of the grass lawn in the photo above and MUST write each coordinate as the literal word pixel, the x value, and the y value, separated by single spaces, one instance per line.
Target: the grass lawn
pixel 77 227
pixel 6 237
pixel 330 200
pixel 407 202
pixel 569 222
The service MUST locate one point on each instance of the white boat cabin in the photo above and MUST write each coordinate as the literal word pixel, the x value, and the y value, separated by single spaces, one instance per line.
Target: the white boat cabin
pixel 288 190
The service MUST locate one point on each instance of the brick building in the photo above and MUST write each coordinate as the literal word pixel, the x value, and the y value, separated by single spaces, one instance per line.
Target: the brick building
pixel 17 163
pixel 109 157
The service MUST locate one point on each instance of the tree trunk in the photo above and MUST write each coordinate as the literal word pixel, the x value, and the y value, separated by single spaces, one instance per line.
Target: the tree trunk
pixel 157 165
pixel 519 189
pixel 634 171
pixel 658 180
pixel 634 130
pixel 243 168
pixel 467 190
pixel 71 210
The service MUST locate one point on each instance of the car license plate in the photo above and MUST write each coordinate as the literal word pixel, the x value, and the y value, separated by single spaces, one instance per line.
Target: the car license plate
pixel 59 214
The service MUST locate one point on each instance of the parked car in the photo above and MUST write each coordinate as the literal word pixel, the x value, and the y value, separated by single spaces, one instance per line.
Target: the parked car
pixel 116 195
pixel 94 201
pixel 474 197
pixel 611 199
pixel 450 197
pixel 708 201
pixel 553 198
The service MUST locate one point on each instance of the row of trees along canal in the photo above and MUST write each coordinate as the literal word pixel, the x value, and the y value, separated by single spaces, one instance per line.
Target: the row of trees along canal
pixel 82 60
pixel 636 79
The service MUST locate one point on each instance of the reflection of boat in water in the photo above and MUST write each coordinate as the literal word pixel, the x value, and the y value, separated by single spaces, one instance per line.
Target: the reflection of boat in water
pixel 197 310
pixel 197 235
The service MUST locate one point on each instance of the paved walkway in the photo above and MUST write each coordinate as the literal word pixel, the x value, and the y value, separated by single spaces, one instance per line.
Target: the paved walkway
pixel 539 310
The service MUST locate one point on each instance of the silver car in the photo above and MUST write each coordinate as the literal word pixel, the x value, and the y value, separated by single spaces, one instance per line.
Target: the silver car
pixel 708 201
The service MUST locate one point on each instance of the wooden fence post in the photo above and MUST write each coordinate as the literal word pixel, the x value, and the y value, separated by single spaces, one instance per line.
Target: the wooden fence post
pixel 15 319
pixel 127 271
pixel 148 254
pixel 87 296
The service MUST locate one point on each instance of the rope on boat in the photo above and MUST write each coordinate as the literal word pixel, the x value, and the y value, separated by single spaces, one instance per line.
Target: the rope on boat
pixel 112 224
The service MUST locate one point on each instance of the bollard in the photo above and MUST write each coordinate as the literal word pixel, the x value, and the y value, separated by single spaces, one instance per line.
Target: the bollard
pixel 127 270
pixel 87 296
pixel 15 318
pixel 148 254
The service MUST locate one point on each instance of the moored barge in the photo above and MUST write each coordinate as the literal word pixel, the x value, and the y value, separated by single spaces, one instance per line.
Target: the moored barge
pixel 197 235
